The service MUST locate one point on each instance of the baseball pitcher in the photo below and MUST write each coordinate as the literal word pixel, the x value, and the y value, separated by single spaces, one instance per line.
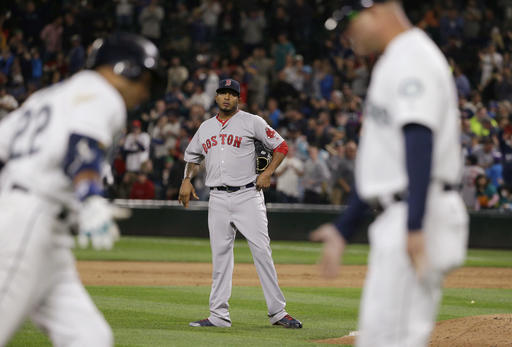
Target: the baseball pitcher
pixel 408 169
pixel 226 143
pixel 53 148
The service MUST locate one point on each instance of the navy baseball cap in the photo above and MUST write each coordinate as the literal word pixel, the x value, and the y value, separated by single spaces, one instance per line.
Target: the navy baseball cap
pixel 229 84
pixel 349 10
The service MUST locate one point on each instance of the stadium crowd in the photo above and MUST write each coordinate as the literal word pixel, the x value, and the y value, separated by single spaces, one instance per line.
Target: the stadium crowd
pixel 304 80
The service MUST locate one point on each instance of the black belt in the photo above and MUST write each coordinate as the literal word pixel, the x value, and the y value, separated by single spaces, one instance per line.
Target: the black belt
pixel 378 205
pixel 231 189
pixel 449 187
pixel 401 196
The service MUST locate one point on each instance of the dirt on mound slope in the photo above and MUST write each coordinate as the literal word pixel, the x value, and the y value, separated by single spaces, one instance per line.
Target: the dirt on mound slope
pixel 476 331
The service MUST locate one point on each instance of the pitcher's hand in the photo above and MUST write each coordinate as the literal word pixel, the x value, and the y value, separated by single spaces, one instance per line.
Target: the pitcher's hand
pixel 187 190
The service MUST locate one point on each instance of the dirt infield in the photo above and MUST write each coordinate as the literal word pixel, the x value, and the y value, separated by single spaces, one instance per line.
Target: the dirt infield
pixel 491 330
pixel 476 331
pixel 290 275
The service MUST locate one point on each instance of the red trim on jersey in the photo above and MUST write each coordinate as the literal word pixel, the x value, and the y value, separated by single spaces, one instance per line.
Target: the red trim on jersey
pixel 223 122
pixel 283 148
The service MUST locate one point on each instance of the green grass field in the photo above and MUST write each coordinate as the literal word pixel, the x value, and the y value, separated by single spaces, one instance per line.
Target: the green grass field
pixel 159 316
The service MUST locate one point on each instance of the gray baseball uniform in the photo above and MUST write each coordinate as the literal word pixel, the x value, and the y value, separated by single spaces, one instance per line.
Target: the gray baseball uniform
pixel 228 149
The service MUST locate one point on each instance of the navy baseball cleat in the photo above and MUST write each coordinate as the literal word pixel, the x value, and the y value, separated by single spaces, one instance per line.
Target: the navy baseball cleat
pixel 289 322
pixel 201 323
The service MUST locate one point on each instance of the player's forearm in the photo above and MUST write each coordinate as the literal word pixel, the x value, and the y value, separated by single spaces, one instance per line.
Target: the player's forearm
pixel 87 183
pixel 277 158
pixel 190 170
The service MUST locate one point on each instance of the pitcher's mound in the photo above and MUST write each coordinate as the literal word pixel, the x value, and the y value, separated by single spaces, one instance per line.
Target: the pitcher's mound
pixel 477 331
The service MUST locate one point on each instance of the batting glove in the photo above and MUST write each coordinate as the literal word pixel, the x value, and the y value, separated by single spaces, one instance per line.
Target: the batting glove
pixel 97 225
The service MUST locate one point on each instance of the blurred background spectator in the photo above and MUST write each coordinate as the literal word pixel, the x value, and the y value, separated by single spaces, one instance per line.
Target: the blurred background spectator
pixel 304 80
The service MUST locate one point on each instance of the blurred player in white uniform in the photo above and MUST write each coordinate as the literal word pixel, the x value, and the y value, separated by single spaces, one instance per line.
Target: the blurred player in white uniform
pixel 52 149
pixel 226 143
pixel 408 168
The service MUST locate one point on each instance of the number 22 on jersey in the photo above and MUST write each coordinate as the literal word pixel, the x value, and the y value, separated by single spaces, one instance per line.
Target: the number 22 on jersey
pixel 31 126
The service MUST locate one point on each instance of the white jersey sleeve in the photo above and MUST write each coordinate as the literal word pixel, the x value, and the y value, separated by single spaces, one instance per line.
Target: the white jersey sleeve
pixel 263 132
pixel 416 96
pixel 193 153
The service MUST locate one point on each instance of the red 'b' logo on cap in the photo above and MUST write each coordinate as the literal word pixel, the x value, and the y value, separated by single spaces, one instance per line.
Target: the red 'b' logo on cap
pixel 228 83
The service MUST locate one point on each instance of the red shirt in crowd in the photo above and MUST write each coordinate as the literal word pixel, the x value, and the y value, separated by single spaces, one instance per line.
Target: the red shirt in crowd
pixel 142 189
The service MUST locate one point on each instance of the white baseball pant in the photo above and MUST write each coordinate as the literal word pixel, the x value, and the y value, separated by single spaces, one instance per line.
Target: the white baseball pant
pixel 398 310
pixel 243 211
pixel 38 278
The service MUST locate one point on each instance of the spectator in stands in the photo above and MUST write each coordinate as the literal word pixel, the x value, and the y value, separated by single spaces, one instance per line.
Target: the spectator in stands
pixel 472 17
pixel 495 171
pixel 6 61
pixel 451 25
pixel 486 194
pixel 259 67
pixel 150 20
pixel 344 175
pixel 37 65
pixel 316 178
pixel 124 14
pixel 200 97
pixel 31 23
pixel 136 148
pixel 228 23
pixel 274 114
pixel 142 188
pixel 177 74
pixel 470 172
pixel 210 11
pixel 76 55
pixel 52 38
pixel 282 49
pixel 506 198
pixel 288 175
pixel 490 60
pixel 486 152
pixel 175 176
pixel 70 29
pixel 159 135
pixel 462 82
pixel 478 120
pixel 253 24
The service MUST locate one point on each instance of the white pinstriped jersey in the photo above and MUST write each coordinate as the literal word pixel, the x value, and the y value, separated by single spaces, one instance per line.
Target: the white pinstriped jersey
pixel 411 83
pixel 228 148
pixel 34 138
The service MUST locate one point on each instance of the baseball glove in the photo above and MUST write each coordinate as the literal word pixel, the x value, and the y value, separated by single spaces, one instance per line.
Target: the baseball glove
pixel 263 156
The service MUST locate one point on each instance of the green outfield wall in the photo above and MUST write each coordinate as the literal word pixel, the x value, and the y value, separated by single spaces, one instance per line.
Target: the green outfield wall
pixel 488 229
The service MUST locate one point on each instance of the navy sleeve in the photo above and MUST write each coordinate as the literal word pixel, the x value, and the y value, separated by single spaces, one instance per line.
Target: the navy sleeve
pixel 83 153
pixel 352 217
pixel 418 152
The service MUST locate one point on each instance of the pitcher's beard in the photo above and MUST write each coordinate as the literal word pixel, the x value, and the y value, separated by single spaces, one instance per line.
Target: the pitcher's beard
pixel 227 110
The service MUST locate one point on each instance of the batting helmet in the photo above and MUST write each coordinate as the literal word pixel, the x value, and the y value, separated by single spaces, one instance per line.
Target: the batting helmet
pixel 129 55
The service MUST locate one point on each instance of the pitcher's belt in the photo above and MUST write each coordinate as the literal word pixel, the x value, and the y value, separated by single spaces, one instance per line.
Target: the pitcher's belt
pixel 379 204
pixel 231 189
